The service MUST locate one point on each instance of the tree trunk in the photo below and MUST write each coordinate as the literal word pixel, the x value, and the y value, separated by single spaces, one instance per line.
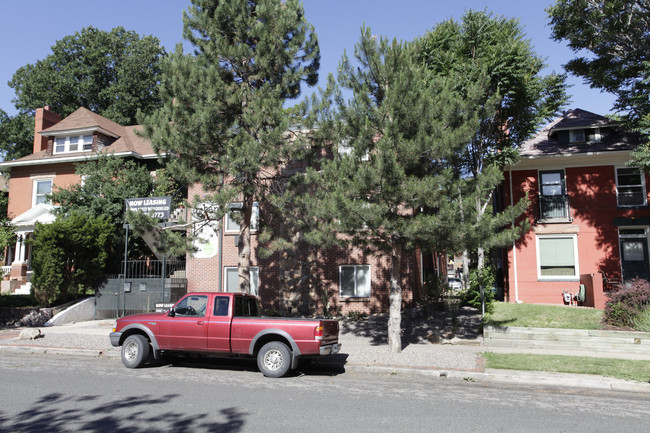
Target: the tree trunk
pixel 480 261
pixel 244 245
pixel 395 316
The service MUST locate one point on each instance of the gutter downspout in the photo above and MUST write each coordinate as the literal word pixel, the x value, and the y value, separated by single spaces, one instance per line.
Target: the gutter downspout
pixel 514 246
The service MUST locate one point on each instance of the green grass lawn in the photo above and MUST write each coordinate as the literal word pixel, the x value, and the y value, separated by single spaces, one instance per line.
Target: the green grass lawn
pixel 544 316
pixel 618 368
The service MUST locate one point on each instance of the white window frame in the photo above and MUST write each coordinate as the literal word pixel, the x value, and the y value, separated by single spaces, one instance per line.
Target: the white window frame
pixel 356 291
pixel 35 193
pixel 254 278
pixel 66 141
pixel 230 226
pixel 642 185
pixel 576 258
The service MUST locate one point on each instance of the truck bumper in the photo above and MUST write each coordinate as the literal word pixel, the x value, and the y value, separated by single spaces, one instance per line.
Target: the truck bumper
pixel 115 338
pixel 330 349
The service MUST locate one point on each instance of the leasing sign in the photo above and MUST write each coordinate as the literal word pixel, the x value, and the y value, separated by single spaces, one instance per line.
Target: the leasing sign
pixel 157 207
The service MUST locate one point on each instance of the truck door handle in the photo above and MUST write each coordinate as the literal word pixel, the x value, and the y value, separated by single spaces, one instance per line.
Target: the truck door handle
pixel 200 322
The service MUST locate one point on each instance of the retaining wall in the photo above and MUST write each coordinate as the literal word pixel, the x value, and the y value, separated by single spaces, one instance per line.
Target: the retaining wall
pixel 568 339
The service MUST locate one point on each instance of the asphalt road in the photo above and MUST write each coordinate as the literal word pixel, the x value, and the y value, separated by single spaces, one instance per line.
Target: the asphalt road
pixel 66 394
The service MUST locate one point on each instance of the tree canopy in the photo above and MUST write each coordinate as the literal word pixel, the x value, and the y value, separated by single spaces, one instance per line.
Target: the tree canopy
pixel 387 185
pixel 223 104
pixel 112 73
pixel 615 35
pixel 516 100
pixel 611 39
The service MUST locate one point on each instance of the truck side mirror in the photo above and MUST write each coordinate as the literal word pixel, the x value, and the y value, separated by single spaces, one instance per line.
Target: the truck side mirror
pixel 171 312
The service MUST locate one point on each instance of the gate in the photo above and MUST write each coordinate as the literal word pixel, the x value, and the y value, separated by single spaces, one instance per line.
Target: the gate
pixel 146 283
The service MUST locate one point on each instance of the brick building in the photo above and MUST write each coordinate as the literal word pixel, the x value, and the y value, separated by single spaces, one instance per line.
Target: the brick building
pixel 589 212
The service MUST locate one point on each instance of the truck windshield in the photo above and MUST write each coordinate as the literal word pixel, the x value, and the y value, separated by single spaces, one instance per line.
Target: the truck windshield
pixel 245 306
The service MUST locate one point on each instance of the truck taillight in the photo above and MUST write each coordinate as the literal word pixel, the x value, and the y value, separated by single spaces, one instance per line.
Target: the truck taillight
pixel 318 333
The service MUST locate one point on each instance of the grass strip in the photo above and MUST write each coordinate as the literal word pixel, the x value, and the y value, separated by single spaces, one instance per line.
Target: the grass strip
pixel 610 367
pixel 544 316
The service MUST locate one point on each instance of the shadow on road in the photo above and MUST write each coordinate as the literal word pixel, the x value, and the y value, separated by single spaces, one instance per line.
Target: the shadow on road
pixel 57 412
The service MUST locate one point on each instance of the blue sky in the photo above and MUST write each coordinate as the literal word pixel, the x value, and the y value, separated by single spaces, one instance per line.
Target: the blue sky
pixel 29 28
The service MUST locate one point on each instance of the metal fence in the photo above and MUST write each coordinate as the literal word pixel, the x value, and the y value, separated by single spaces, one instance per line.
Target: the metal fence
pixel 145 285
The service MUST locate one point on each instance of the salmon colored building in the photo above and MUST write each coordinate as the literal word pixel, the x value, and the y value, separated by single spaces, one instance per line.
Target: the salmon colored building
pixel 588 212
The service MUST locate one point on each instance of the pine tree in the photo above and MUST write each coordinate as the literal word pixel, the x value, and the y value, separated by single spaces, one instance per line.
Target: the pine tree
pixel 386 188
pixel 223 113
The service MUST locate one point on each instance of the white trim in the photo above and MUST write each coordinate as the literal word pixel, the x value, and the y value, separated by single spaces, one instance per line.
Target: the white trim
pixel 576 258
pixel 77 158
pixel 78 131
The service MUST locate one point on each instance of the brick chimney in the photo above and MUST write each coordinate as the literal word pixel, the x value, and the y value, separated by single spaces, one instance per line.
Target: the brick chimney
pixel 43 119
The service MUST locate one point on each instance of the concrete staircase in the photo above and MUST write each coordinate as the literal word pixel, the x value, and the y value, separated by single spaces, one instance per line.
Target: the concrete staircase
pixel 568 340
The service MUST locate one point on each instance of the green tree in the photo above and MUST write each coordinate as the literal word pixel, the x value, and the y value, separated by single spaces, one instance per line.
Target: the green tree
pixel 387 186
pixel 70 257
pixel 107 181
pixel 16 135
pixel 517 99
pixel 114 74
pixel 612 38
pixel 223 105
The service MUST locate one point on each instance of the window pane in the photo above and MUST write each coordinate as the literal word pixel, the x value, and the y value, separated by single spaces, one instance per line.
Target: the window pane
pixel 43 187
pixel 633 251
pixel 552 190
pixel 347 280
pixel 220 306
pixel 74 144
pixel 232 280
pixel 631 196
pixel 629 176
pixel 231 225
pixel 551 178
pixel 254 279
pixel 556 256
pixel 59 145
pixel 363 281
pixel 88 142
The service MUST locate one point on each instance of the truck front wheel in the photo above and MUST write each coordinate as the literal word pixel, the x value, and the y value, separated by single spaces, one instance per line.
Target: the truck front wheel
pixel 135 351
pixel 274 359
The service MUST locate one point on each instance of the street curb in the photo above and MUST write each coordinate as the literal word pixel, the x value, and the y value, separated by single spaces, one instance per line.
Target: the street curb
pixel 564 380
pixel 549 379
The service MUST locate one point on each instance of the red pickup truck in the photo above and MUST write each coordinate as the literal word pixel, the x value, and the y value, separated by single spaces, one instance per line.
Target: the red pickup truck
pixel 224 324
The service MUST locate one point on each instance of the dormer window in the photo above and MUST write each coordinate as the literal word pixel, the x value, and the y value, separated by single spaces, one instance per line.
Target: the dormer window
pixel 577 136
pixel 75 143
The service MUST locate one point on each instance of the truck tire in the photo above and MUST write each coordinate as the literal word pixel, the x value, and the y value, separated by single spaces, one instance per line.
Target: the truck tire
pixel 274 359
pixel 135 351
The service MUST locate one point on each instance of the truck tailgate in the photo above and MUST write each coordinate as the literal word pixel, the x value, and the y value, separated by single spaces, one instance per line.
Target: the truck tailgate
pixel 330 332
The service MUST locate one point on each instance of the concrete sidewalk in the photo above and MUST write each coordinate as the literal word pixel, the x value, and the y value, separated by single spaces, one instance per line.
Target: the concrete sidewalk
pixel 358 354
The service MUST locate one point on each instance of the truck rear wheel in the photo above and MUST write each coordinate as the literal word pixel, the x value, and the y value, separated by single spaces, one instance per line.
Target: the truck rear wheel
pixel 274 359
pixel 135 351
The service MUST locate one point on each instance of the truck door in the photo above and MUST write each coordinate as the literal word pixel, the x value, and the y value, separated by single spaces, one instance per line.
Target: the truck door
pixel 188 328
pixel 219 326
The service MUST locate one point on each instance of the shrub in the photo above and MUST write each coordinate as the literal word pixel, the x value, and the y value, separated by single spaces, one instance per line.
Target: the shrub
pixel 472 296
pixel 626 303
pixel 642 321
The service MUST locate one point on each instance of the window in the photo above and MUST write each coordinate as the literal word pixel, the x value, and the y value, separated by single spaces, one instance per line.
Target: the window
pixel 557 257
pixel 42 187
pixel 232 279
pixel 355 281
pixel 245 306
pixel 192 306
pixel 233 226
pixel 553 201
pixel 76 143
pixel 630 187
pixel 221 304
pixel 577 136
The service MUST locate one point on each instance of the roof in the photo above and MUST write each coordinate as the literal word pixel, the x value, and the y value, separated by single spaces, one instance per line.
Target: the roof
pixel 83 118
pixel 128 142
pixel 546 142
